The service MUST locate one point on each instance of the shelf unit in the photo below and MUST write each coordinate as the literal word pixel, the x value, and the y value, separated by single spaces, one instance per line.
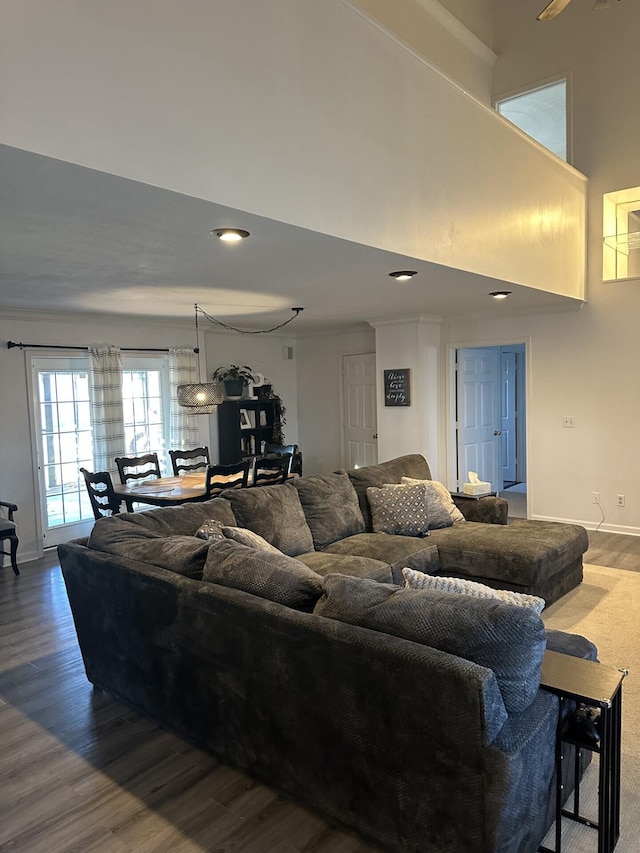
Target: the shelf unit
pixel 238 441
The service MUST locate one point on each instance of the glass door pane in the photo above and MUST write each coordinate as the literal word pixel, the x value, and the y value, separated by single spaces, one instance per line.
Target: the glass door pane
pixel 63 431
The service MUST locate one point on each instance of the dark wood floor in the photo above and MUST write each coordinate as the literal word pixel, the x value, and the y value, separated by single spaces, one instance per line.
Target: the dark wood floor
pixel 80 772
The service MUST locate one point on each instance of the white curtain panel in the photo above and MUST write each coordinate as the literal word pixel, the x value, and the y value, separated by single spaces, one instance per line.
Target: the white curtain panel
pixel 106 406
pixel 184 433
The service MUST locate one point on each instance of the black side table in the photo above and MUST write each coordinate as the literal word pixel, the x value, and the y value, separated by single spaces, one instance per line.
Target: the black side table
pixel 459 494
pixel 598 686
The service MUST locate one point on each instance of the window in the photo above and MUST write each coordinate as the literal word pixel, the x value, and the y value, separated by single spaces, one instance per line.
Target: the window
pixel 621 235
pixel 64 432
pixel 542 113
pixel 145 403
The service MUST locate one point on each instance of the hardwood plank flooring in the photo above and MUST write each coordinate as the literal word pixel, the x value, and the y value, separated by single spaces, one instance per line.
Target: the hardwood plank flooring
pixel 80 772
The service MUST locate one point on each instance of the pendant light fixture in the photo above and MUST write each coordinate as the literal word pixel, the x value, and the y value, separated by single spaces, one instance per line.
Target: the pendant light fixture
pixel 200 398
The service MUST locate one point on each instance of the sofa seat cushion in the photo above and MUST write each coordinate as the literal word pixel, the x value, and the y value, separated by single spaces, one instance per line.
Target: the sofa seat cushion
pixel 266 574
pixel 331 507
pixel 523 553
pixel 398 552
pixel 183 520
pixel 185 555
pixel 410 465
pixel 275 513
pixel 507 639
pixel 325 563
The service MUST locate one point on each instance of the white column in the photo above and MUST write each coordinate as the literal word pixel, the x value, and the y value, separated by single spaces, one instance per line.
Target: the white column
pixel 415 344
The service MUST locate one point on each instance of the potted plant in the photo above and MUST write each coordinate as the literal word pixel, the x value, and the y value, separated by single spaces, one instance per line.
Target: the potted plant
pixel 234 379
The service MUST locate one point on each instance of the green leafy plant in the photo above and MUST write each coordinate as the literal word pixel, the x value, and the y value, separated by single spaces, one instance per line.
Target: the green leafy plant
pixel 279 419
pixel 233 373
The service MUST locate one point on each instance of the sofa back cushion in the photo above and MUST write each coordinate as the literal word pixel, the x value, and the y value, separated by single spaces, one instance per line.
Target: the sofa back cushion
pixel 264 573
pixel 507 639
pixel 411 465
pixel 331 507
pixel 185 555
pixel 274 512
pixel 183 520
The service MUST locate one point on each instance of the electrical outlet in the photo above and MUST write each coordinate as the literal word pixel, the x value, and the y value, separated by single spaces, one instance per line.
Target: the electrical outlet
pixel 620 500
pixel 568 422
pixel 595 497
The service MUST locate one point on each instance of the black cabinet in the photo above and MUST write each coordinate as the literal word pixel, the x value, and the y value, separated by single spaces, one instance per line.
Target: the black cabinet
pixel 244 427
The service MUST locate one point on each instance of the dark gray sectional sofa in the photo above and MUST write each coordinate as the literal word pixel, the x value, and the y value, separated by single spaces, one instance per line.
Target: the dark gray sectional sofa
pixel 411 716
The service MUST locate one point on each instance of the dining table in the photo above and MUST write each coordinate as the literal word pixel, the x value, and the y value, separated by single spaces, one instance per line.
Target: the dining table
pixel 164 491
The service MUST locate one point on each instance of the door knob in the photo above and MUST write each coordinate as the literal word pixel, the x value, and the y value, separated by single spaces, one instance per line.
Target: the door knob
pixel 497 432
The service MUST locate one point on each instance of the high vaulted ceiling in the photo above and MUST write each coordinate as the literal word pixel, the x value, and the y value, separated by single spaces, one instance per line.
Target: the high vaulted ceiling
pixel 77 240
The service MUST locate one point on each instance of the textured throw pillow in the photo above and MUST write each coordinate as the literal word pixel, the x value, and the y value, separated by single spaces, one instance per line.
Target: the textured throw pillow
pixel 248 538
pixel 399 509
pixel 508 640
pixel 275 512
pixel 211 529
pixel 444 494
pixel 273 576
pixel 419 580
pixel 331 507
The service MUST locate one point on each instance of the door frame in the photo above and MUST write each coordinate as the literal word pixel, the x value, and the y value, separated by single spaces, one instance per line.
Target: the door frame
pixel 451 440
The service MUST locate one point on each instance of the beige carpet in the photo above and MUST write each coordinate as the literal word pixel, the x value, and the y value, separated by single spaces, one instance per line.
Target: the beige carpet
pixel 606 609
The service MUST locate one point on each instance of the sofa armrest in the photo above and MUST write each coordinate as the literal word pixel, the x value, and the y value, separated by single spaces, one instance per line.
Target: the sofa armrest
pixel 490 510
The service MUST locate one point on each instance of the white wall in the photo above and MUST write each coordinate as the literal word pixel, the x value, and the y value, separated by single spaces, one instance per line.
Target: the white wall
pixel 413 344
pixel 319 394
pixel 301 111
pixel 18 482
pixel 582 364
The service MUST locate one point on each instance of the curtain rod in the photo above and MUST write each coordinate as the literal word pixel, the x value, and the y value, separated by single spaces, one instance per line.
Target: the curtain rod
pixel 12 344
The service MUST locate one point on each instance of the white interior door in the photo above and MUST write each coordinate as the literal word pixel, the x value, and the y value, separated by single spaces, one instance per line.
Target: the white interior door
pixel 479 415
pixel 508 402
pixel 359 425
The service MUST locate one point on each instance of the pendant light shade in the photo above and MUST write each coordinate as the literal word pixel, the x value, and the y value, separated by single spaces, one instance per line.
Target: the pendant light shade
pixel 201 398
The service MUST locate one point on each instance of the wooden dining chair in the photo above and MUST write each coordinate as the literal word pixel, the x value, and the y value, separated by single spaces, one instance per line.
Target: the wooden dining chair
pixel 137 468
pixel 194 460
pixel 295 465
pixel 270 470
pixel 221 477
pixel 8 531
pixel 104 501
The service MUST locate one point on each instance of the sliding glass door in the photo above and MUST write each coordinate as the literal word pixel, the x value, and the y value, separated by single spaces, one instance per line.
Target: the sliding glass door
pixel 63 433
pixel 63 445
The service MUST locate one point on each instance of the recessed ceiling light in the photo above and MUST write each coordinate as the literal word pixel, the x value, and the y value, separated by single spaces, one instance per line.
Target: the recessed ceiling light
pixel 403 275
pixel 500 294
pixel 230 235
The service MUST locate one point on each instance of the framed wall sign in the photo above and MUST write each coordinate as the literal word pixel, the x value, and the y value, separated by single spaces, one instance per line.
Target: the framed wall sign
pixel 397 387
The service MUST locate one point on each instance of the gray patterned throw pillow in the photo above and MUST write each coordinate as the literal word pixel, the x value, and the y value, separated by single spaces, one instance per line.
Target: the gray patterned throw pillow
pixel 419 580
pixel 399 509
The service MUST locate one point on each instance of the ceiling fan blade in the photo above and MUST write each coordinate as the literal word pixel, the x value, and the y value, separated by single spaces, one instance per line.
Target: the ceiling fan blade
pixel 552 9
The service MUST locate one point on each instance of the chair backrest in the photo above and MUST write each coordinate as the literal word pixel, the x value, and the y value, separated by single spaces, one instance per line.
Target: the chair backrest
pixel 221 477
pixel 295 465
pixel 271 470
pixel 104 500
pixel 196 459
pixel 138 467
